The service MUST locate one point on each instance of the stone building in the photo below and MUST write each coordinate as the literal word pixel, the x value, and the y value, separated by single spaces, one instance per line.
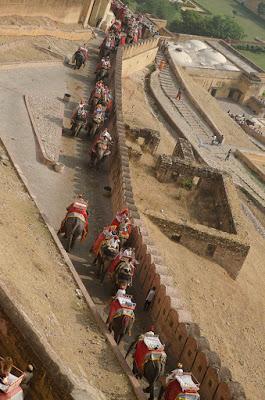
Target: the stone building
pixel 219 68
pixel 87 12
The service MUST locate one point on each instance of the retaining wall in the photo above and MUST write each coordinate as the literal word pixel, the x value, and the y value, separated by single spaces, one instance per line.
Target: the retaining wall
pixel 172 321
pixel 67 11
pixel 245 157
pixel 139 55
pixel 252 132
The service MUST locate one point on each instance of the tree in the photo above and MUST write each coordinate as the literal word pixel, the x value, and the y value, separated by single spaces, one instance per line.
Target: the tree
pixel 160 8
pixel 224 27
pixel 261 8
pixel 219 26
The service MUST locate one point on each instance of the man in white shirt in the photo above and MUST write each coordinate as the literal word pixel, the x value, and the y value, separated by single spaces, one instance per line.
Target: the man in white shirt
pixel 149 298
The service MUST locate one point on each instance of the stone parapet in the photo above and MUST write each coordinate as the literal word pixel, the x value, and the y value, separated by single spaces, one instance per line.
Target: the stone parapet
pixel 172 319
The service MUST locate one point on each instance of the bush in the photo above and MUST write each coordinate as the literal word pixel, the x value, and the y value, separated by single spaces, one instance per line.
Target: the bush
pixel 187 183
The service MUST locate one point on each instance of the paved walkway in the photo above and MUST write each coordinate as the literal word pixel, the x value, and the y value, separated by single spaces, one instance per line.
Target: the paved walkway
pixel 186 117
pixel 55 191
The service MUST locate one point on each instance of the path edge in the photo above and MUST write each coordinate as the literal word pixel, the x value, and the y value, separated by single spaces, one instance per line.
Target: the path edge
pixel 91 305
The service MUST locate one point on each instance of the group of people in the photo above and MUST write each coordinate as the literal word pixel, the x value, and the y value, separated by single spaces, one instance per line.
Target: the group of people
pixel 112 250
pixel 241 119
pixel 127 28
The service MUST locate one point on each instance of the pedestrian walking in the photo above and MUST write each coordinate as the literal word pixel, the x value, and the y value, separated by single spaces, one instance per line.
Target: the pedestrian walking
pixel 179 94
pixel 149 298
pixel 228 154
pixel 162 65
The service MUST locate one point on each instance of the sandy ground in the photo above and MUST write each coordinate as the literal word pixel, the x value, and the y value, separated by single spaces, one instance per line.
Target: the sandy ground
pixel 27 48
pixel 36 276
pixel 230 313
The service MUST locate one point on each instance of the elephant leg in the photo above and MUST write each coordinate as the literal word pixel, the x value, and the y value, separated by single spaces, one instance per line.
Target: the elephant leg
pixel 161 392
pixel 135 371
pixel 119 338
pixel 152 391
pixel 69 242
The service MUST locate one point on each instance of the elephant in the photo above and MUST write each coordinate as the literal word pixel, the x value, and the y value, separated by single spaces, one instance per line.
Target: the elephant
pixel 121 326
pixel 74 228
pixel 79 59
pixel 152 370
pixel 101 151
pixel 95 124
pixel 123 275
pixel 102 74
pixel 104 258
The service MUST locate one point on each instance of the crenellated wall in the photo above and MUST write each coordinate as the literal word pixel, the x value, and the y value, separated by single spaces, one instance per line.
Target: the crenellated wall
pixel 139 56
pixel 172 320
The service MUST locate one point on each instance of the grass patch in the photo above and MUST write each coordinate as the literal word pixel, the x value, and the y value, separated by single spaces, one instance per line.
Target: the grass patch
pixel 257 58
pixel 252 25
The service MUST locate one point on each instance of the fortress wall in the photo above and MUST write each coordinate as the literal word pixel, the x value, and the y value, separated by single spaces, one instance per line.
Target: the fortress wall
pixel 172 320
pixel 66 11
pixel 139 56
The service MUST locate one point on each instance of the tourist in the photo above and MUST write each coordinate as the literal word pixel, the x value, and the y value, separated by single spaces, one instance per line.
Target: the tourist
pixel 179 94
pixel 228 155
pixel 149 298
pixel 162 65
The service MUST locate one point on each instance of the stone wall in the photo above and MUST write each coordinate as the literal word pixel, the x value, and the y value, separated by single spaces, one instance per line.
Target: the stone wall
pixel 254 132
pixel 248 158
pixel 67 11
pixel 172 320
pixel 138 56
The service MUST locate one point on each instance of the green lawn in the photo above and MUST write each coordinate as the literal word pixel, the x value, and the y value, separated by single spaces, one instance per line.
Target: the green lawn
pixel 257 58
pixel 252 26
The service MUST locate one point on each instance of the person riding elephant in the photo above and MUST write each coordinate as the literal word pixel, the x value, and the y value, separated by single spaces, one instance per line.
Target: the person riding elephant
pixel 79 206
pixel 123 273
pixel 106 234
pixel 79 58
pixel 79 118
pixel 120 216
pixel 84 51
pixel 101 147
pixel 127 253
pixel 124 230
pixel 149 359
pixel 179 384
pixel 121 317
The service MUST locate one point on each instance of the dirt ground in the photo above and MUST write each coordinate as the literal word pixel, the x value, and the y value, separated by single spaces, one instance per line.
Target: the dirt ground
pixel 36 276
pixel 230 313
pixel 25 48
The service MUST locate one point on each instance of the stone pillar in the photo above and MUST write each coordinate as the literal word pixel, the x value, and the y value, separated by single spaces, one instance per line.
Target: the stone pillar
pixel 86 12
pixel 164 168
pixel 100 10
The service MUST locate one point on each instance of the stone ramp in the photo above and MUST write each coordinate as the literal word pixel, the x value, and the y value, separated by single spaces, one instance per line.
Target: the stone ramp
pixel 164 88
pixel 46 115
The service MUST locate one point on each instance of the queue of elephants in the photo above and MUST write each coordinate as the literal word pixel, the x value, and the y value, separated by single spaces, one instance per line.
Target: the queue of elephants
pixel 113 255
